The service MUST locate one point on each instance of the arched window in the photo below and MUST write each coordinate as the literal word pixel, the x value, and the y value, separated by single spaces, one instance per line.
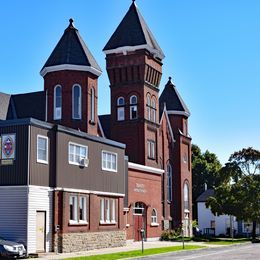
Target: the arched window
pixel 76 102
pixel 57 103
pixel 154 217
pixel 186 196
pixel 92 107
pixel 120 109
pixel 153 110
pixel 133 107
pixel 148 106
pixel 169 182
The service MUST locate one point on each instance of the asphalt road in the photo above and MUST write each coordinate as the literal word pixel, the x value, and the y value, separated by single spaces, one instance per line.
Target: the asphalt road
pixel 237 252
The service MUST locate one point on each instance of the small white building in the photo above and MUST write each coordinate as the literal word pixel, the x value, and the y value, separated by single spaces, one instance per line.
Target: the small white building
pixel 210 223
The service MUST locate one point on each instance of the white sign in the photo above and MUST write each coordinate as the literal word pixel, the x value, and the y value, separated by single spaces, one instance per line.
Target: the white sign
pixel 139 187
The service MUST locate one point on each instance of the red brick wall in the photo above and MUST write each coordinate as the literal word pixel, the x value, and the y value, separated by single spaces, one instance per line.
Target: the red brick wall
pixel 67 79
pixel 127 75
pixel 144 187
pixel 62 213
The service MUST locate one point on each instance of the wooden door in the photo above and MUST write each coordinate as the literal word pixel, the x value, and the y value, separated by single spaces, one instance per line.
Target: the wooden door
pixel 40 231
pixel 138 220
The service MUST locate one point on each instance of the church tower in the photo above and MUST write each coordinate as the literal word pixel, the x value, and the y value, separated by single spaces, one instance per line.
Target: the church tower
pixel 134 67
pixel 70 82
pixel 178 114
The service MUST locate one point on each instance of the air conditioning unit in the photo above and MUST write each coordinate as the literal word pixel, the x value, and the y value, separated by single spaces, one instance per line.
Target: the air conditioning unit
pixel 84 162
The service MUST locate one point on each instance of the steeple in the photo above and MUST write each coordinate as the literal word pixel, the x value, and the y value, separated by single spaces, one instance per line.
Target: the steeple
pixel 133 34
pixel 71 52
pixel 71 83
pixel 173 101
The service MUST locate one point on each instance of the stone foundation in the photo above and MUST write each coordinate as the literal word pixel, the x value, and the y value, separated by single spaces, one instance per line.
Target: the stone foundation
pixel 74 242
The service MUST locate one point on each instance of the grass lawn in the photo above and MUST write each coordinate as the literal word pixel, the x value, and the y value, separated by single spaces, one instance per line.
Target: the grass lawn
pixel 136 253
pixel 227 241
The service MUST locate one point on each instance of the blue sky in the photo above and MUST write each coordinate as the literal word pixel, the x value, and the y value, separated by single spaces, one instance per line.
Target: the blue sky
pixel 212 51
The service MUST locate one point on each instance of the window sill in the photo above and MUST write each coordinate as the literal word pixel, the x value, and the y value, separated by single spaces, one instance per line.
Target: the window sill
pixel 42 162
pixel 77 223
pixel 154 224
pixel 109 170
pixel 107 222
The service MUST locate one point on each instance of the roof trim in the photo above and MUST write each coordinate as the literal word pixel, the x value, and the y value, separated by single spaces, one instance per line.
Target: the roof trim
pixel 176 112
pixel 126 49
pixel 91 191
pixel 144 168
pixel 101 128
pixel 168 122
pixel 90 69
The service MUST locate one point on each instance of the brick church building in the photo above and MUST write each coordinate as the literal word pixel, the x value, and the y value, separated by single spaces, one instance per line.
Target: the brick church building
pixel 96 181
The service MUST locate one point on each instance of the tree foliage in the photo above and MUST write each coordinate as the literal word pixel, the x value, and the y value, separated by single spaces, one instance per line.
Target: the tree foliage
pixel 205 168
pixel 238 189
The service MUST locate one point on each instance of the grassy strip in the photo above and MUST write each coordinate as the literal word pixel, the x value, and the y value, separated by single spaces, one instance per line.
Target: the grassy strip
pixel 136 253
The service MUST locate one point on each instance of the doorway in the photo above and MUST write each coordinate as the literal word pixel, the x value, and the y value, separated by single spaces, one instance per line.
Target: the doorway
pixel 139 214
pixel 40 231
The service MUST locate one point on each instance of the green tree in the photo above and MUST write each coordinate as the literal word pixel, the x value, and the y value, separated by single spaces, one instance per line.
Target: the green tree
pixel 205 168
pixel 238 192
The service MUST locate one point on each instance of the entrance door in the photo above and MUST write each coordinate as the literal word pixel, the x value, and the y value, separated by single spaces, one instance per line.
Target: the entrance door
pixel 138 219
pixel 40 231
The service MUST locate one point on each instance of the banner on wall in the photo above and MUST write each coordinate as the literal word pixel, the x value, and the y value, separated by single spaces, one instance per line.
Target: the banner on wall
pixel 8 147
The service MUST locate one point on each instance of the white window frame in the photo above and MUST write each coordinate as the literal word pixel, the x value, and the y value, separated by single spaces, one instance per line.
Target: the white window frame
pixel 55 108
pixel 186 196
pixel 75 209
pixel 133 107
pixel 151 149
pixel 105 167
pixel 107 211
pixel 153 110
pixel 83 204
pixel 47 149
pixel 154 218
pixel 120 113
pixel 79 145
pixel 80 102
pixel 148 104
pixel 102 210
pixel 92 112
pixel 169 182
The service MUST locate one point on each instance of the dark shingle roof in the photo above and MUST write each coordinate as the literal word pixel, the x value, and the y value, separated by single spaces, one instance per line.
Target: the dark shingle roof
pixel 205 195
pixel 172 99
pixel 72 50
pixel 105 124
pixel 27 105
pixel 133 31
pixel 4 104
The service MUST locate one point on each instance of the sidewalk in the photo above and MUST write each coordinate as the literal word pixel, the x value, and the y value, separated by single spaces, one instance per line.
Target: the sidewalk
pixel 129 247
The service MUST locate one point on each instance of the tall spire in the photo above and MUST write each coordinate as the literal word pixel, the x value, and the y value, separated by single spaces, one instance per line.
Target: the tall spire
pixel 133 33
pixel 71 50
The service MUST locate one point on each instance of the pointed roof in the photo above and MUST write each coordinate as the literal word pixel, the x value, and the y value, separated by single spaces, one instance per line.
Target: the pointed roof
pixel 171 98
pixel 71 52
pixel 133 33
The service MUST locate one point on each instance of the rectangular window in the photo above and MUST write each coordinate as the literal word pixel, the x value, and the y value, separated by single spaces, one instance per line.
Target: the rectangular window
pixel 73 209
pixel 107 211
pixel 109 161
pixel 120 113
pixel 77 154
pixel 82 209
pixel 151 149
pixel 42 149
pixel 133 112
pixel 102 208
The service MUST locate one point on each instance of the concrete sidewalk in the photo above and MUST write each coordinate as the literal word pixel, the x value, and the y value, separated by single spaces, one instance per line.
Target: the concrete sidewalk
pixel 129 247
